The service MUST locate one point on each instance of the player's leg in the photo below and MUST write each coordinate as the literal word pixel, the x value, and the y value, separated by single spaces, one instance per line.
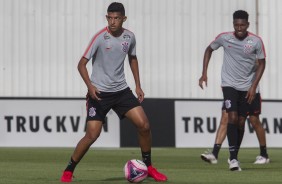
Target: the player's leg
pixel 260 132
pixel 231 97
pixel 256 124
pixel 211 157
pixel 93 131
pixel 241 132
pixel 221 133
pixel 233 135
pixel 95 115
pixel 128 106
pixel 140 120
pixel 255 110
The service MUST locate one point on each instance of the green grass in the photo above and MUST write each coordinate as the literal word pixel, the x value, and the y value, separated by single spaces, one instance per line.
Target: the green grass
pixel 45 165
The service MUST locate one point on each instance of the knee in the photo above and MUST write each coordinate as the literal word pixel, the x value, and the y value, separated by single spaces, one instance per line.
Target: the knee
pixel 144 126
pixel 233 120
pixel 255 122
pixel 224 120
pixel 92 137
pixel 255 125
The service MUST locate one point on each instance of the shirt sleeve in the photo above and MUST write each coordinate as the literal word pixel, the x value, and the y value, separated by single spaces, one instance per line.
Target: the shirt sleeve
pixel 132 49
pixel 260 51
pixel 218 42
pixel 92 47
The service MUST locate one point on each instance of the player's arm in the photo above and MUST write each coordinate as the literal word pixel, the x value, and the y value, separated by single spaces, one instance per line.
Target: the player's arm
pixel 85 76
pixel 133 62
pixel 259 72
pixel 206 60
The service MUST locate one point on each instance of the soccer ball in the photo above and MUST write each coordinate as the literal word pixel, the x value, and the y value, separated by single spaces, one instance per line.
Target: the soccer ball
pixel 135 171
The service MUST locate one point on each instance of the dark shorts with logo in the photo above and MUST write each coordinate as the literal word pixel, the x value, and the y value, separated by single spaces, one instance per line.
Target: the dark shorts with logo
pixel 121 102
pixel 235 100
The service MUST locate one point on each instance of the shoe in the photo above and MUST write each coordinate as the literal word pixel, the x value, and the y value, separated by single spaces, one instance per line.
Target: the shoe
pixel 209 157
pixel 228 161
pixel 261 160
pixel 234 165
pixel 152 172
pixel 67 176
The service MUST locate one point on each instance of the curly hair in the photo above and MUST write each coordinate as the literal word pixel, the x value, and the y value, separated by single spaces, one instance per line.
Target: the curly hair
pixel 240 14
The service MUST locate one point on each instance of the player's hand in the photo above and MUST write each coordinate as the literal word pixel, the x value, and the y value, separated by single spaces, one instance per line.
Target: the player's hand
pixel 251 94
pixel 203 79
pixel 140 94
pixel 93 91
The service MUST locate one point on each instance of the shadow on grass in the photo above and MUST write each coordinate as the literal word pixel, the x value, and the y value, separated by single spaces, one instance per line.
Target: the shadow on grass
pixel 147 180
pixel 114 179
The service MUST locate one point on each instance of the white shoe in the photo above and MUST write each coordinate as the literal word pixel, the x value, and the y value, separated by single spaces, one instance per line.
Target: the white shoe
pixel 234 165
pixel 209 157
pixel 261 160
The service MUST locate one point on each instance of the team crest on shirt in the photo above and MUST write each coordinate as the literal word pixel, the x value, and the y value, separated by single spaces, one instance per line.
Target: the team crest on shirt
pixel 227 104
pixel 248 48
pixel 125 46
pixel 92 112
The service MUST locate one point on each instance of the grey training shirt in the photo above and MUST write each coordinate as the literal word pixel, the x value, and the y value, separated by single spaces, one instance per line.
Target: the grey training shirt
pixel 239 59
pixel 108 54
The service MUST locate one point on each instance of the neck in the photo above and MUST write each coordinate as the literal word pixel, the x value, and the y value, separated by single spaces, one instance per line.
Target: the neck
pixel 116 33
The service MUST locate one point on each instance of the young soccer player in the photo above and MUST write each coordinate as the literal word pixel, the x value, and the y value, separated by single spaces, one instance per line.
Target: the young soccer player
pixel 239 82
pixel 107 88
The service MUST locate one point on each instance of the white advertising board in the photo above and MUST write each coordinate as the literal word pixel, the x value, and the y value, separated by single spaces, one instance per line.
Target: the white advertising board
pixel 50 123
pixel 196 123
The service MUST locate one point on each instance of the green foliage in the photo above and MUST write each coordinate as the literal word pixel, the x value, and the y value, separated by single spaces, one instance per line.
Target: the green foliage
pixel 45 166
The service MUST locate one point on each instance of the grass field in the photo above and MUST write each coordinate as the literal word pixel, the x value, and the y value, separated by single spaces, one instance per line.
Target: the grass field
pixel 45 165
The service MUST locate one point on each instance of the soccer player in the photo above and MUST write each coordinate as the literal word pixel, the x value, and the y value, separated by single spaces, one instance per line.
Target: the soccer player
pixel 238 80
pixel 212 157
pixel 107 88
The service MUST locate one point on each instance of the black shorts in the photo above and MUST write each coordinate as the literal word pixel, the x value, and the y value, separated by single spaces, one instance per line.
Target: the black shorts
pixel 121 102
pixel 235 100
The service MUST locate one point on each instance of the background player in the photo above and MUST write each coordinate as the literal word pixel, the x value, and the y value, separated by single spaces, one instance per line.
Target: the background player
pixel 239 82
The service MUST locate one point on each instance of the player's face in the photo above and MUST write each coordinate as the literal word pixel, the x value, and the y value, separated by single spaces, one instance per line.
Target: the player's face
pixel 115 21
pixel 240 27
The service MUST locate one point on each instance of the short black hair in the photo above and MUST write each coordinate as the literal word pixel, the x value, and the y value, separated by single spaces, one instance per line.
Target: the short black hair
pixel 116 7
pixel 240 14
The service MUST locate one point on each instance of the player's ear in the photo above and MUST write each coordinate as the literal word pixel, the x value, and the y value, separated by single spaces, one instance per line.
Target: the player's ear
pixel 124 18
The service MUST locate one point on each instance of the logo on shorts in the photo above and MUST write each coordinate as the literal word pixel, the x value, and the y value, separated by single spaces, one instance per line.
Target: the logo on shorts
pixel 92 112
pixel 227 104
pixel 125 47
